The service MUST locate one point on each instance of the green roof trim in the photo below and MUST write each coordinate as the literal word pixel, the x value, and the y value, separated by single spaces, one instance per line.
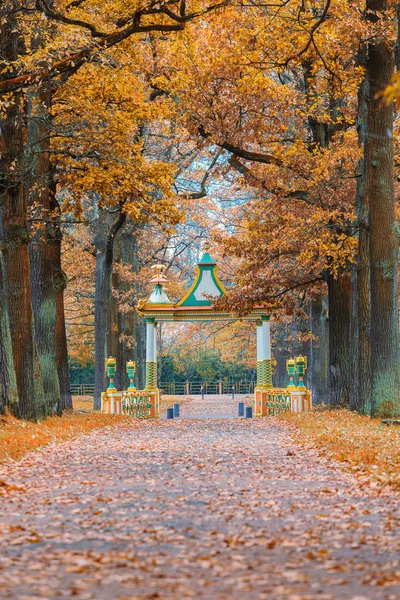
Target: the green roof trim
pixel 159 296
pixel 206 283
pixel 206 259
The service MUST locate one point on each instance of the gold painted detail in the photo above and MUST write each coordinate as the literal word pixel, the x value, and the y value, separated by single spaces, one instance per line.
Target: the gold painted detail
pixel 137 404
pixel 264 373
pixel 277 401
pixel 268 372
pixel 151 375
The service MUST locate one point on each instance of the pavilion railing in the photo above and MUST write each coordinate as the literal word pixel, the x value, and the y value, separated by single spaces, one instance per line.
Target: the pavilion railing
pixel 278 401
pixel 137 404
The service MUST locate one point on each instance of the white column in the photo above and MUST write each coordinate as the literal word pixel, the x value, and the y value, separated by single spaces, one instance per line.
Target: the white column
pixel 264 341
pixel 260 356
pixel 266 338
pixel 151 342
pixel 259 342
pixel 151 355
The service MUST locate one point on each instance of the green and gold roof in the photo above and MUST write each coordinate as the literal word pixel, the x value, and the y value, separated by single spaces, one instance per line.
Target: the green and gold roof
pixel 196 304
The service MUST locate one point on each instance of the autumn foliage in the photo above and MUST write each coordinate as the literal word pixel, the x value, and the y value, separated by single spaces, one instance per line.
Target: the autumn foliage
pixel 20 437
pixel 362 445
pixel 134 131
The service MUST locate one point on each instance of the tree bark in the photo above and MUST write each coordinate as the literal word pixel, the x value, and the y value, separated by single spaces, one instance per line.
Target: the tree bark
pixel 379 191
pixel 43 246
pixel 340 364
pixel 15 231
pixel 8 383
pixel 60 284
pixel 104 244
pixel 318 371
pixel 133 321
pixel 139 349
pixel 127 339
pixel 361 396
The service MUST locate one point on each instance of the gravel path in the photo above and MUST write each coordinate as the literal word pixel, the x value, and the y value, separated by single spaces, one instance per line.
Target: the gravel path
pixel 208 509
pixel 214 406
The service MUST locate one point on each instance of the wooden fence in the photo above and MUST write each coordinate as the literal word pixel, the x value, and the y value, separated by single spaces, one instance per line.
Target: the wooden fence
pixel 181 388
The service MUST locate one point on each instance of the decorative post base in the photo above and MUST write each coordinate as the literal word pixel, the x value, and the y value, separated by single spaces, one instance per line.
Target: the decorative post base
pixel 140 403
pixel 155 402
pixel 301 401
pixel 260 396
pixel 111 403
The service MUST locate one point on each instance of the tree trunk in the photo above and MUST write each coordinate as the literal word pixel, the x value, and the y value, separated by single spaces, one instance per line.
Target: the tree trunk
pixel 116 329
pixel 102 302
pixel 8 384
pixel 379 191
pixel 104 244
pixel 281 354
pixel 340 364
pixel 44 243
pixel 128 330
pixel 318 371
pixel 60 283
pixel 15 232
pixel 139 350
pixel 361 396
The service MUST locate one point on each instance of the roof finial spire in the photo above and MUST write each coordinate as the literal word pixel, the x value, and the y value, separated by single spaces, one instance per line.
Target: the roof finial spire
pixel 158 277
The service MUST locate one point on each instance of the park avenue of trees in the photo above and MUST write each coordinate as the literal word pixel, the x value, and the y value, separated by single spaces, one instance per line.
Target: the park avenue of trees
pixel 131 132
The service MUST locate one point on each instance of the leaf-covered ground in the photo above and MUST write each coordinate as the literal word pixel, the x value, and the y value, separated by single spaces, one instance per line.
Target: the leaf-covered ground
pixel 363 445
pixel 194 508
pixel 18 438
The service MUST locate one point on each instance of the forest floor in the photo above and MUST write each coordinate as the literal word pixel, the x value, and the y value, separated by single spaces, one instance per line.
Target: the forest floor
pixel 18 438
pixel 211 509
pixel 362 445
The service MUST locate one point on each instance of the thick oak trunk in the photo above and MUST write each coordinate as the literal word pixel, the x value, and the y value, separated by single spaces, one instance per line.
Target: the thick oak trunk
pixel 8 384
pixel 44 244
pixel 361 395
pixel 379 191
pixel 102 316
pixel 340 364
pixel 16 261
pixel 104 244
pixel 318 371
pixel 139 349
pixel 60 283
pixel 15 233
pixel 131 323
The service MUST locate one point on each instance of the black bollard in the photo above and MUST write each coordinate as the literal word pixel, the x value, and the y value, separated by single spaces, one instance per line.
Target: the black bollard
pixel 249 412
pixel 241 409
pixel 233 392
pixel 177 410
pixel 170 413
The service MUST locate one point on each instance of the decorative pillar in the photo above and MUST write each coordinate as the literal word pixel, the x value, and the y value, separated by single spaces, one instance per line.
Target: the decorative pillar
pixel 111 364
pixel 151 355
pixel 259 354
pixel 264 368
pixel 291 371
pixel 111 400
pixel 300 396
pixel 130 369
pixel 266 329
